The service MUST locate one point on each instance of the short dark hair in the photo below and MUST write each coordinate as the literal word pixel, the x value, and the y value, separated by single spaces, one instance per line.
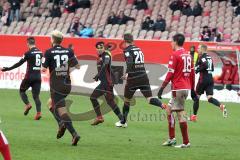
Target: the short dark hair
pixel 148 17
pixel 100 45
pixel 179 39
pixel 31 40
pixel 128 37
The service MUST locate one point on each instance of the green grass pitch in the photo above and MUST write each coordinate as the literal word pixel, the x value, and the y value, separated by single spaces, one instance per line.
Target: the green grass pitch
pixel 212 137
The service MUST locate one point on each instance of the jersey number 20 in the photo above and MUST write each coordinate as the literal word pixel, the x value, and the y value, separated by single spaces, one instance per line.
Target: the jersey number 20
pixel 139 57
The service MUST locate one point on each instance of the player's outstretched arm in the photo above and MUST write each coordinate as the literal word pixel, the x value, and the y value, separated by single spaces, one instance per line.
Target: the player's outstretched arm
pixel 14 66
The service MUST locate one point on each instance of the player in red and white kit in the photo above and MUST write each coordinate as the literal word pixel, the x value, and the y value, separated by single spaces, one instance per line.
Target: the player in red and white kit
pixel 181 75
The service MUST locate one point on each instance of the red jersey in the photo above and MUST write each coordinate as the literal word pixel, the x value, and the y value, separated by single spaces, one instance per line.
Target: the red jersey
pixel 180 71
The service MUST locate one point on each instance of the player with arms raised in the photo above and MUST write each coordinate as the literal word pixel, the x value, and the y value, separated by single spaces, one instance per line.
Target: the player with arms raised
pixel 136 77
pixel 180 74
pixel 59 60
pixel 32 77
pixel 205 67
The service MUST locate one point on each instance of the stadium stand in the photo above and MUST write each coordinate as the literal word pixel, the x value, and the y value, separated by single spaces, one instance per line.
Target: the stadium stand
pixel 215 15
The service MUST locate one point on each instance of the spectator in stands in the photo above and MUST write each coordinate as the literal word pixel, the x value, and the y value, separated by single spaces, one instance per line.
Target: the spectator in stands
pixel 235 3
pixel 206 34
pixel 160 24
pixel 84 4
pixel 55 12
pixel 5 19
pixel 123 19
pixel 140 4
pixel 112 19
pixel 175 5
pixel 237 10
pixel 147 24
pixel 197 9
pixel 87 31
pixel 69 6
pixel 74 27
pixel 179 5
pixel 187 10
pixel 216 35
pixel 194 9
pixel 15 10
pixel 185 3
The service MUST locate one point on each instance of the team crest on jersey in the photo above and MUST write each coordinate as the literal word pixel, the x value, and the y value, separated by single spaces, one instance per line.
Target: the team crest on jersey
pixel 127 54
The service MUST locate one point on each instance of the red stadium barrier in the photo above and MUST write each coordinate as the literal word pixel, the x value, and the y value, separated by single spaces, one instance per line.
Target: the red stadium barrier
pixel 154 51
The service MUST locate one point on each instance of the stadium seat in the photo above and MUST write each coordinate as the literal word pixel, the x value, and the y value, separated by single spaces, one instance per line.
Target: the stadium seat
pixel 215 14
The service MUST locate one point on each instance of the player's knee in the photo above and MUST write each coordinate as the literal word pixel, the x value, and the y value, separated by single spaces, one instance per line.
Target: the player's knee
pixel 36 97
pixel 61 111
pixel 196 99
pixel 110 102
pixel 127 104
pixel 127 100
pixel 181 116
pixel 149 99
pixel 92 98
pixel 210 99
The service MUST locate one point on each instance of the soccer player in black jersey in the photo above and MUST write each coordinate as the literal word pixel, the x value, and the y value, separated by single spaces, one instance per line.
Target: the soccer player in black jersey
pixel 59 60
pixel 32 77
pixel 205 67
pixel 105 87
pixel 136 77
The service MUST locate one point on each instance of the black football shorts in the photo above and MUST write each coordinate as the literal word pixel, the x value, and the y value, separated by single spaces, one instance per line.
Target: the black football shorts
pixel 34 84
pixel 140 82
pixel 205 86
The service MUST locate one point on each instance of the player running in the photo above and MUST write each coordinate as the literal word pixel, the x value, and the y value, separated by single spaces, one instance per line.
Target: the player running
pixel 136 77
pixel 59 60
pixel 32 77
pixel 205 67
pixel 180 74
pixel 106 85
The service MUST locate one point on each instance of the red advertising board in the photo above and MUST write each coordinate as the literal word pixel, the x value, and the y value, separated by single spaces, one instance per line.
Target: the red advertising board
pixel 154 51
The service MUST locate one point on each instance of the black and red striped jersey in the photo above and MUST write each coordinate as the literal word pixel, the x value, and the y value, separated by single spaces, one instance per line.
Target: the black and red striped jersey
pixel 33 57
pixel 104 63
